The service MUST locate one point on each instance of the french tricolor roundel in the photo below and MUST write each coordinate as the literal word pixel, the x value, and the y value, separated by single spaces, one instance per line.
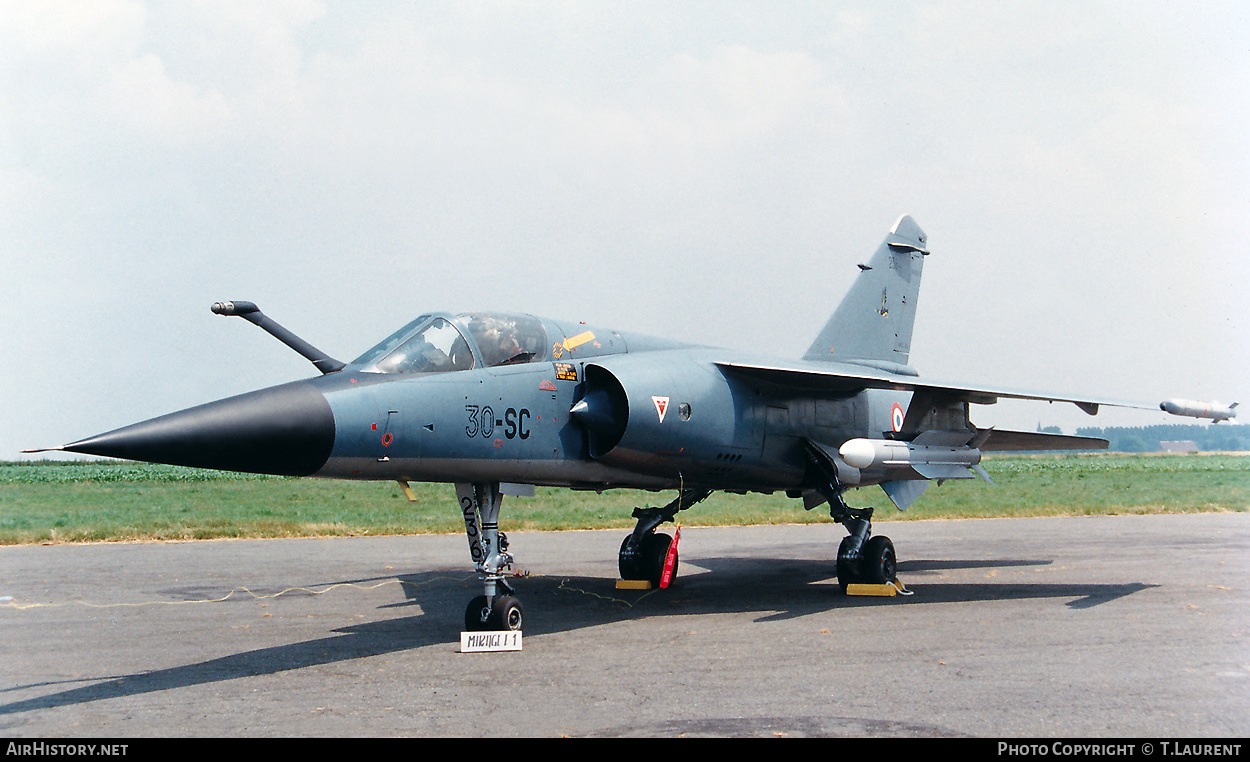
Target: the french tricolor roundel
pixel 896 416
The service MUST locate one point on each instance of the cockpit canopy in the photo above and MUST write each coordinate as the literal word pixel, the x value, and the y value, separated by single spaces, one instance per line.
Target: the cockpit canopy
pixel 443 343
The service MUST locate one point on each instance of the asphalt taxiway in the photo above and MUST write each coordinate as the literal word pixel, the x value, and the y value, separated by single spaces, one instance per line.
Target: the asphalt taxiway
pixel 1102 626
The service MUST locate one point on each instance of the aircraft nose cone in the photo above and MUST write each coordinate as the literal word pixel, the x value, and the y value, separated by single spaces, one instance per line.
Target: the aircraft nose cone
pixel 286 430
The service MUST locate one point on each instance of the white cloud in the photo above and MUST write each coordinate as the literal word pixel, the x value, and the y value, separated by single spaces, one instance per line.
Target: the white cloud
pixel 650 166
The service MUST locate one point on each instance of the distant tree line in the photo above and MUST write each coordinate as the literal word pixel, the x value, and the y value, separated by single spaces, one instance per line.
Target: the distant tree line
pixel 1222 437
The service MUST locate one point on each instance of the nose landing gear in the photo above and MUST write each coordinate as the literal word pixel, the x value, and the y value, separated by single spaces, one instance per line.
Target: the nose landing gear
pixel 480 504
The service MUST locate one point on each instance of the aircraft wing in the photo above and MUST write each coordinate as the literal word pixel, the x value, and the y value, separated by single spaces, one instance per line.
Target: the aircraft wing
pixel 849 378
pixel 1021 441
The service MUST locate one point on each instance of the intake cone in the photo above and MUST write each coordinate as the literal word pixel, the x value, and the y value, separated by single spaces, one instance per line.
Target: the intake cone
pixel 286 430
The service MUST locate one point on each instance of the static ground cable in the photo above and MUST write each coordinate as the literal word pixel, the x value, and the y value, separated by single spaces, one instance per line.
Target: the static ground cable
pixel 613 598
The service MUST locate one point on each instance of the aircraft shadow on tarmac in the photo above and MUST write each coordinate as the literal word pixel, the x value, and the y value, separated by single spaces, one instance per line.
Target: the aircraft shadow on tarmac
pixel 776 588
pixel 782 589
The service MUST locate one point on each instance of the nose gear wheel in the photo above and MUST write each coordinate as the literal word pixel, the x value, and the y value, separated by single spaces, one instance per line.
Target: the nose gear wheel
pixel 504 613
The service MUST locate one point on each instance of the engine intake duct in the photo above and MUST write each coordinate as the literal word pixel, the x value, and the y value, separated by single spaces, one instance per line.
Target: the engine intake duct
pixel 603 411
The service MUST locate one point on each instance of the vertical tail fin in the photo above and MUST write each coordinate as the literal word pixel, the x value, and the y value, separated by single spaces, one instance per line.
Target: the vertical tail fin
pixel 873 324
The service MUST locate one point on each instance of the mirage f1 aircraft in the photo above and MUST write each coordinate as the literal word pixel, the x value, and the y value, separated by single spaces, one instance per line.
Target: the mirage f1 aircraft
pixel 497 403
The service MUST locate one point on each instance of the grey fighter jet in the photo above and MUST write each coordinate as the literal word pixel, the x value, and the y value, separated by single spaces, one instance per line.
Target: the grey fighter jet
pixel 498 403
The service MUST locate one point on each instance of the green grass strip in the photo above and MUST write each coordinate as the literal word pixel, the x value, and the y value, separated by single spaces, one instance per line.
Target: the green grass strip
pixel 50 501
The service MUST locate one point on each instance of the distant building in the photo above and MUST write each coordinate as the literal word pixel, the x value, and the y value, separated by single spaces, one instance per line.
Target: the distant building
pixel 1180 445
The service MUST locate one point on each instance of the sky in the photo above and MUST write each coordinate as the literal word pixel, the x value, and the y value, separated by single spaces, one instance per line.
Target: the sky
pixel 709 171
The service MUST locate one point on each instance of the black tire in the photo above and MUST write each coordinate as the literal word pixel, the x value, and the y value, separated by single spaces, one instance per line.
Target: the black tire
pixel 629 567
pixel 878 564
pixel 654 553
pixel 507 614
pixel 473 615
pixel 848 571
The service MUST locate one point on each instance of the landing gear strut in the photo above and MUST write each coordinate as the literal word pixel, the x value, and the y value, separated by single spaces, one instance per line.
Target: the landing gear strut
pixel 861 559
pixel 493 610
pixel 643 552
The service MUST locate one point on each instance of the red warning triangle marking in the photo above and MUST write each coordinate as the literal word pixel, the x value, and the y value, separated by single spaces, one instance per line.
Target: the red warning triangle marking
pixel 661 405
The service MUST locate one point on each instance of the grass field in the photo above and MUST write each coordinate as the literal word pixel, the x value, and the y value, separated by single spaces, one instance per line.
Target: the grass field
pixel 42 502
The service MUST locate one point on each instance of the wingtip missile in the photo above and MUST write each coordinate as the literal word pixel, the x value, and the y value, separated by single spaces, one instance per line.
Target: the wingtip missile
pixel 1194 409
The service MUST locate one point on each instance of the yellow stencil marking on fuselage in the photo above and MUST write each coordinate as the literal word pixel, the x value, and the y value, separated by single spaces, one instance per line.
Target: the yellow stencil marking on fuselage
pixel 578 340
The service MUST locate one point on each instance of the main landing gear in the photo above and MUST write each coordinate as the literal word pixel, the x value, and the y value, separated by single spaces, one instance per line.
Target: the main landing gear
pixel 862 559
pixel 643 552
pixel 493 610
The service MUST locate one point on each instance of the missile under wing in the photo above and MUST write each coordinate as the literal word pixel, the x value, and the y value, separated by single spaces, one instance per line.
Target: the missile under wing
pixel 1194 409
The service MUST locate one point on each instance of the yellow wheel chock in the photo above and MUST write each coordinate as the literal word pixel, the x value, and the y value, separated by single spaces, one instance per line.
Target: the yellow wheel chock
pixel 887 590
